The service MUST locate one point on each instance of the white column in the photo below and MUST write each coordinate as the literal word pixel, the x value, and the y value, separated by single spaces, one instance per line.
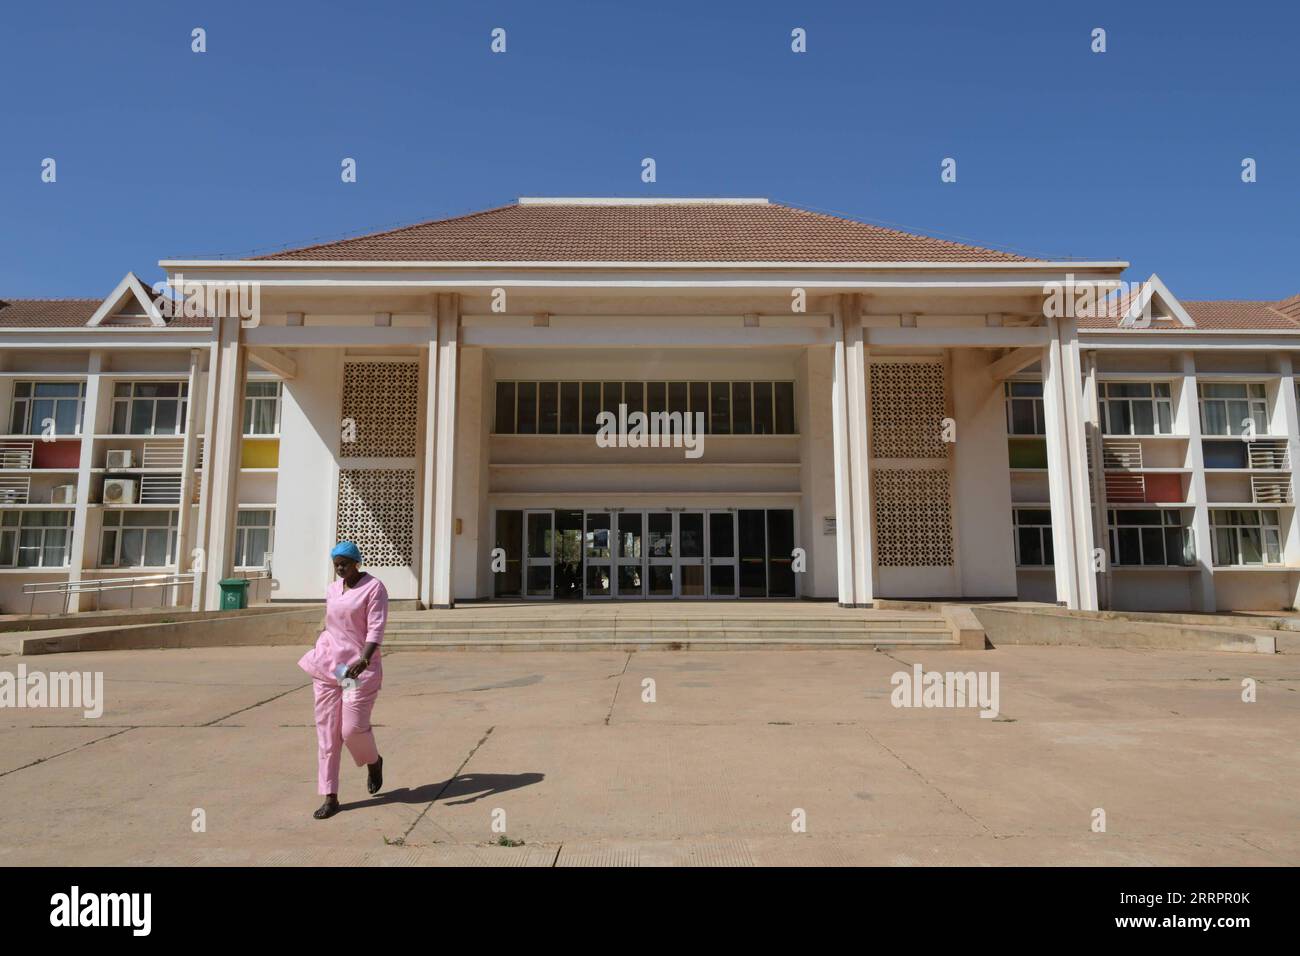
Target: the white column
pixel 199 564
pixel 864 563
pixel 81 511
pixel 445 465
pixel 223 450
pixel 1076 582
pixel 1189 415
pixel 844 551
pixel 1290 421
pixel 429 472
pixel 189 449
pixel 1097 478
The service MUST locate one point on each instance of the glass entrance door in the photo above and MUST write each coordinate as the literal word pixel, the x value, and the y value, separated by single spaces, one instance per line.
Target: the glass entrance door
pixel 597 550
pixel 539 540
pixel 629 542
pixel 690 555
pixel 722 554
pixel 661 555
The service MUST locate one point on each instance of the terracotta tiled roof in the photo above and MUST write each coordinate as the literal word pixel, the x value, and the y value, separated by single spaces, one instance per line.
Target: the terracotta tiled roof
pixel 553 231
pixel 47 313
pixel 65 314
pixel 1222 314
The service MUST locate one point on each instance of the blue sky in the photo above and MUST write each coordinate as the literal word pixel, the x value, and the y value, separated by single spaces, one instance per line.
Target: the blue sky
pixel 1135 153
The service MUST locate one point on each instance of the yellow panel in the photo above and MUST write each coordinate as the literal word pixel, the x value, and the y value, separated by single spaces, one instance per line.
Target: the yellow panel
pixel 261 453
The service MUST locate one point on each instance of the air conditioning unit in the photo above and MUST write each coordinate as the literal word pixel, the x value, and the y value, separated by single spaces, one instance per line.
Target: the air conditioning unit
pixel 119 491
pixel 119 459
pixel 64 495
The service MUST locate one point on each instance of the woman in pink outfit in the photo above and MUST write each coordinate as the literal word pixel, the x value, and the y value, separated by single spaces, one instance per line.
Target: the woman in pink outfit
pixel 356 610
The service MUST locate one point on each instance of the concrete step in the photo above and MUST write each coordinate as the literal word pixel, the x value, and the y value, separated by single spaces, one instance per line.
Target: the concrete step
pixel 463 623
pixel 506 641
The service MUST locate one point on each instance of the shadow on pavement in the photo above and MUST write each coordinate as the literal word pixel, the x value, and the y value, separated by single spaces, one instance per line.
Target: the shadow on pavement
pixel 471 786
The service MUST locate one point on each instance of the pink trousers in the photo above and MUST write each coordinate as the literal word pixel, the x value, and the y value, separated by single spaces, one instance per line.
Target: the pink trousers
pixel 340 722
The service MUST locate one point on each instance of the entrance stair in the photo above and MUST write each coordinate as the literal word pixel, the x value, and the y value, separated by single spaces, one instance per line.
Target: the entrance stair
pixel 676 626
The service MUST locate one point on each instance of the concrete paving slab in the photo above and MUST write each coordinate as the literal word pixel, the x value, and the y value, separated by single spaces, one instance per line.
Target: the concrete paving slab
pixel 708 774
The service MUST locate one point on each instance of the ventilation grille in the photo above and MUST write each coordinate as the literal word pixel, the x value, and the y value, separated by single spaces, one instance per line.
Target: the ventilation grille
pixel 908 406
pixel 913 518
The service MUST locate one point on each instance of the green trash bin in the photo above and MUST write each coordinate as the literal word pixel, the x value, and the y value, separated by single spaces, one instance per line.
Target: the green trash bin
pixel 234 594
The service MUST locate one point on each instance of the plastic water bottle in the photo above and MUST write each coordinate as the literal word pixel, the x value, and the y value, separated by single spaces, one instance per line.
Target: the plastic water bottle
pixel 349 684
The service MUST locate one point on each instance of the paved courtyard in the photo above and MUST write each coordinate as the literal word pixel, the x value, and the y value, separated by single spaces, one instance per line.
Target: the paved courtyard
pixel 563 749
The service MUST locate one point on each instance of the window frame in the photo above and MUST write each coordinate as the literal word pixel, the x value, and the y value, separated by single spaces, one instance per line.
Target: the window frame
pixel 182 411
pixel 1119 520
pixel 14 521
pixel 114 523
pixel 241 538
pixel 253 402
pixel 1045 543
pixel 1239 529
pixel 1158 403
pixel 1036 404
pixel 780 401
pixel 28 403
pixel 1257 406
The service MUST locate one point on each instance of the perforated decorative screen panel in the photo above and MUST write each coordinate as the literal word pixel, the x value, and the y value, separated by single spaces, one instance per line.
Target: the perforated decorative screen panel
pixel 377 513
pixel 908 405
pixel 381 412
pixel 913 517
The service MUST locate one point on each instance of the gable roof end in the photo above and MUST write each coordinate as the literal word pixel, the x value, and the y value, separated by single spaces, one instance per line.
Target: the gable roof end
pixel 129 288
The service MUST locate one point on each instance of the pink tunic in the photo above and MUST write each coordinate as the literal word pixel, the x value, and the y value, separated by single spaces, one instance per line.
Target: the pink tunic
pixel 354 617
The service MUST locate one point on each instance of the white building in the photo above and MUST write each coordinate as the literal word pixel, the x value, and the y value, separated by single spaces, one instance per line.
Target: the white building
pixel 885 414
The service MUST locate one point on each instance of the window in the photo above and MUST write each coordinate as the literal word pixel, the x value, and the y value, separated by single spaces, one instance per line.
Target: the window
pixel 254 537
pixel 1246 537
pixel 36 403
pixel 138 539
pixel 1025 408
pixel 149 408
pixel 35 539
pixel 261 408
pixel 568 408
pixel 1137 408
pixel 1226 407
pixel 1033 537
pixel 1150 537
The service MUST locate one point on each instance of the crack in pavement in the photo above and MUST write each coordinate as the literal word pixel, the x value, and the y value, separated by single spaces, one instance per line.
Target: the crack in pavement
pixel 251 706
pixel 920 776
pixel 40 760
pixel 429 805
pixel 614 700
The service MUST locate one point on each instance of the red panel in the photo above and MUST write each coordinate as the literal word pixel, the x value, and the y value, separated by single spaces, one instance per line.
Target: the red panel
pixel 56 454
pixel 1164 487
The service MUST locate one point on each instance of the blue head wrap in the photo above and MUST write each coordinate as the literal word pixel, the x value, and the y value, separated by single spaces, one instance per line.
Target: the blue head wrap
pixel 346 549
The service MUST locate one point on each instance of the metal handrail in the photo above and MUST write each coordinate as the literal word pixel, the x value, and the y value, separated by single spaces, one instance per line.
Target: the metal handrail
pixel 98 585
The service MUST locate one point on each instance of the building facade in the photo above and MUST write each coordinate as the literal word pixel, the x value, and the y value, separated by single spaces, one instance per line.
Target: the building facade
pixel 487 406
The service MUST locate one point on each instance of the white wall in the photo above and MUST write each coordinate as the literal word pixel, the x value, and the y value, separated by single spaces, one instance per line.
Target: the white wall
pixel 982 483
pixel 307 488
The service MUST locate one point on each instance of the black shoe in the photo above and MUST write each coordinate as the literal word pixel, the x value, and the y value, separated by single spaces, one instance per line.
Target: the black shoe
pixel 327 809
pixel 376 775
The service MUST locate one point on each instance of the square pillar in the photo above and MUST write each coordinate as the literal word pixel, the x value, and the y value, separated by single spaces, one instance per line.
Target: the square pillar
pixel 199 543
pixel 81 511
pixel 185 521
pixel 1189 413
pixel 442 514
pixel 846 553
pixel 864 564
pixel 222 454
pixel 1067 475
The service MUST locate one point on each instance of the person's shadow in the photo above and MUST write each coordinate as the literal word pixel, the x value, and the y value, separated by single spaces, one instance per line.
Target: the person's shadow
pixel 472 787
